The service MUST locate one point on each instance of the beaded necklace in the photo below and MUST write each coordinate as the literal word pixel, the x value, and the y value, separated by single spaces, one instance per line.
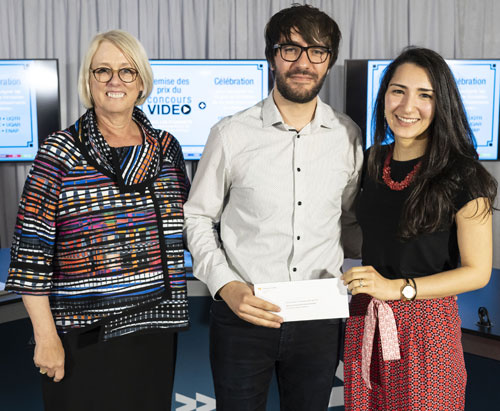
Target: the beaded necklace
pixel 386 174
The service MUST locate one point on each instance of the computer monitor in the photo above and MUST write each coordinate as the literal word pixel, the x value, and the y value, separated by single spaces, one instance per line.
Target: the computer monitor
pixel 190 96
pixel 478 82
pixel 29 106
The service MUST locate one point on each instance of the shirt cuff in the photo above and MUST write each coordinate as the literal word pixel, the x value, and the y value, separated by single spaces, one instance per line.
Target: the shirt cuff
pixel 219 277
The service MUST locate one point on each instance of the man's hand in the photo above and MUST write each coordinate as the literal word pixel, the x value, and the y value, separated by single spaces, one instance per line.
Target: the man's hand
pixel 49 357
pixel 240 298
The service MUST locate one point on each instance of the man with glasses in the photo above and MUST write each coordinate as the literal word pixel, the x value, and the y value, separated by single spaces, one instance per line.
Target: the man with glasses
pixel 272 195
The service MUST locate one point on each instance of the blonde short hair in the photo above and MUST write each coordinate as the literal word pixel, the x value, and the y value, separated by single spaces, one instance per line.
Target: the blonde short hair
pixel 131 48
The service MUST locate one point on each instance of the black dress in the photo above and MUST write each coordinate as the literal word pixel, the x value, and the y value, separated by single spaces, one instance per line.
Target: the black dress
pixel 431 372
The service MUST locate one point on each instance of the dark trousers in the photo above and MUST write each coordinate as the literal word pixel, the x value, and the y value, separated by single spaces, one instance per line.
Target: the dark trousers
pixel 130 373
pixel 243 356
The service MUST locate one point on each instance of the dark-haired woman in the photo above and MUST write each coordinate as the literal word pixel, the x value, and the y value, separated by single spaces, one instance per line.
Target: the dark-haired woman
pixel 425 210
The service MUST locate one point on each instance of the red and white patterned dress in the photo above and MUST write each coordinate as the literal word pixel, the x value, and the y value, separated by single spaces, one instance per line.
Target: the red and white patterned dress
pixel 431 373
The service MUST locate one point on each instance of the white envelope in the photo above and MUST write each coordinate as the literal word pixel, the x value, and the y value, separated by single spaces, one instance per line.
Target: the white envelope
pixel 306 300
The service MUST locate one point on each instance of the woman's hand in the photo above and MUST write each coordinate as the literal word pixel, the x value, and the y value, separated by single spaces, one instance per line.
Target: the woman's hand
pixel 49 351
pixel 49 357
pixel 367 280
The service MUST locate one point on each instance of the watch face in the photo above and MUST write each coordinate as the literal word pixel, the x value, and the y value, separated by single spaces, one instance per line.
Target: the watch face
pixel 408 291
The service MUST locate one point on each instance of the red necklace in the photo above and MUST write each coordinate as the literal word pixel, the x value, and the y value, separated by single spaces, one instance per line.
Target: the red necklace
pixel 386 174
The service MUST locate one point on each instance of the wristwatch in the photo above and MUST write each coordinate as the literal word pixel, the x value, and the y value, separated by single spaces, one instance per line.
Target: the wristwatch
pixel 409 290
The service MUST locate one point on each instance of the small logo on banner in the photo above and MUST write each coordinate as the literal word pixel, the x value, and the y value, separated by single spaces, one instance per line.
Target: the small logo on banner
pixel 191 404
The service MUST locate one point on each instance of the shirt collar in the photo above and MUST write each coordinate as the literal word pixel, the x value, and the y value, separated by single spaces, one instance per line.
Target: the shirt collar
pixel 270 114
pixel 323 117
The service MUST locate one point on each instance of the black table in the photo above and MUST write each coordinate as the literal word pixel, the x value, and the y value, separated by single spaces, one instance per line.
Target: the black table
pixel 488 297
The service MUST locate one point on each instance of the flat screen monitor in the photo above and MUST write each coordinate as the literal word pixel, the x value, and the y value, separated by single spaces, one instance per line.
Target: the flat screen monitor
pixel 29 106
pixel 190 96
pixel 478 82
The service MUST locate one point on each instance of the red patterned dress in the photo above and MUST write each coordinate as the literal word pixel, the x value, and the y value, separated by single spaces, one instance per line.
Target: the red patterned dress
pixel 431 373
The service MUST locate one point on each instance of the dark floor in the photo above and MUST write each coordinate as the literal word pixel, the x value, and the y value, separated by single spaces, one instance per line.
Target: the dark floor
pixel 20 391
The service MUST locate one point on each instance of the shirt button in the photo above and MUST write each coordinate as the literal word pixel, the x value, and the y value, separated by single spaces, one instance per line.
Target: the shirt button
pixel 298 135
pixel 298 169
pixel 298 237
pixel 299 203
pixel 294 269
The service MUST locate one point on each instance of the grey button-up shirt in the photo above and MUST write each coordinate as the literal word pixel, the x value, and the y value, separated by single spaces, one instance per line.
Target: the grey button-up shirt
pixel 283 198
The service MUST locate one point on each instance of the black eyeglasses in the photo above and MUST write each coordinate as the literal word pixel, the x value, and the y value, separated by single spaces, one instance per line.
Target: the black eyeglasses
pixel 105 74
pixel 292 52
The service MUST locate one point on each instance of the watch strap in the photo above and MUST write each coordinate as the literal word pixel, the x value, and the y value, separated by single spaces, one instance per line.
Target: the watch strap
pixel 415 288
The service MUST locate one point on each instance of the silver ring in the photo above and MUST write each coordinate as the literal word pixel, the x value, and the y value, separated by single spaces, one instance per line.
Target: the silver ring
pixel 361 283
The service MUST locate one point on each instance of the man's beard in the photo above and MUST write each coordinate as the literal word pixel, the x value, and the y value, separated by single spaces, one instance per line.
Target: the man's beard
pixel 298 95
